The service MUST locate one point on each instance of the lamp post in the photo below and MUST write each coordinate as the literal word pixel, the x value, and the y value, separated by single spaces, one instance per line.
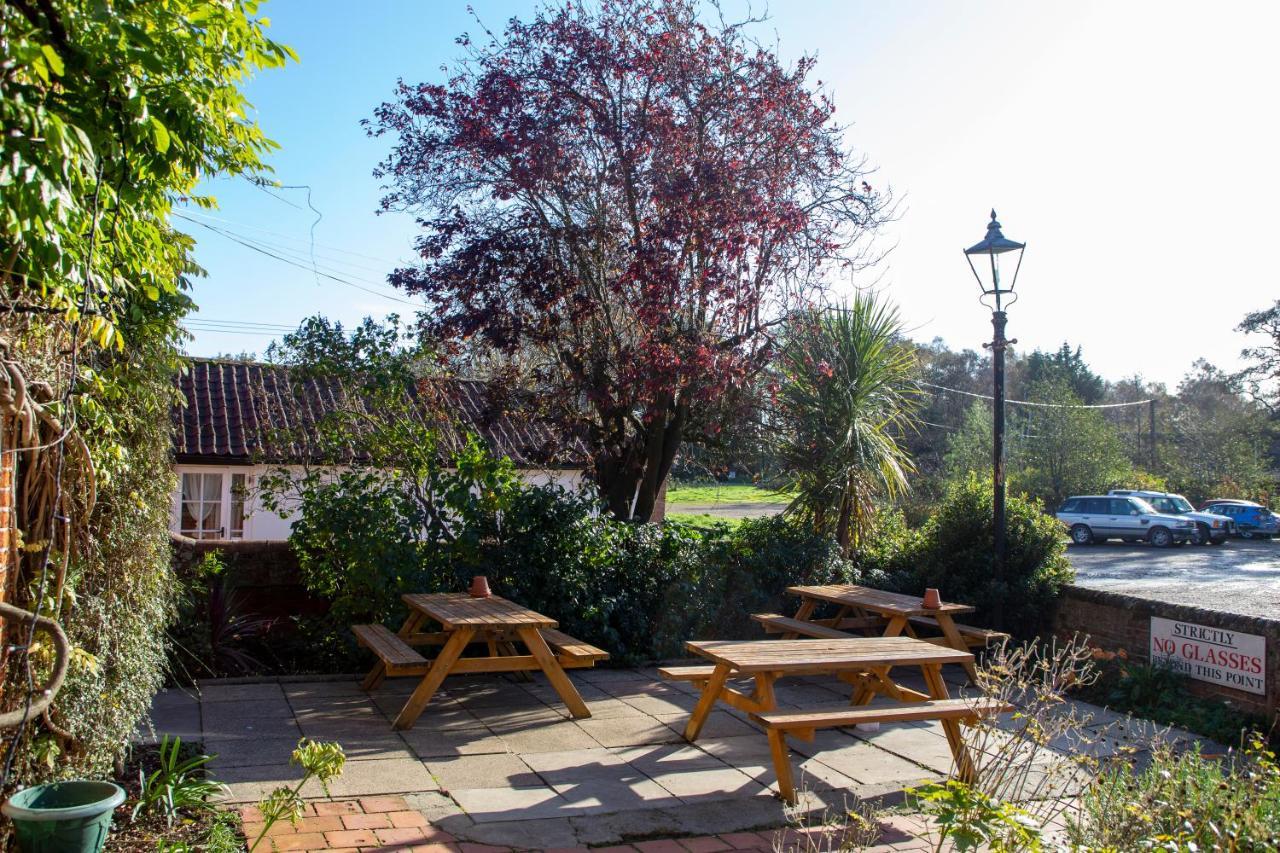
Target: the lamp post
pixel 997 295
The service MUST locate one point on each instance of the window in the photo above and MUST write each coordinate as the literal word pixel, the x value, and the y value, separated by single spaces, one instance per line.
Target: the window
pixel 1072 505
pixel 212 505
pixel 1123 507
pixel 1094 506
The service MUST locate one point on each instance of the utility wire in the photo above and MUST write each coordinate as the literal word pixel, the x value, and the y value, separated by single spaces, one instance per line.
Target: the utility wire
pixel 200 214
pixel 1038 405
pixel 273 254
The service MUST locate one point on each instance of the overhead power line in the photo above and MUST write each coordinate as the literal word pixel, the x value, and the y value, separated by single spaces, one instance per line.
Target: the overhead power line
pixel 276 253
pixel 244 225
pixel 1039 405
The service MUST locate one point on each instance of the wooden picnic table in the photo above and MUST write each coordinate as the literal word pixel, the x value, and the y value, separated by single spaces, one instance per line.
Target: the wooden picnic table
pixel 864 662
pixel 866 608
pixel 464 619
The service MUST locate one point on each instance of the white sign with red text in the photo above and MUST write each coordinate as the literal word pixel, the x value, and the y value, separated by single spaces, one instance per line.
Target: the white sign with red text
pixel 1224 657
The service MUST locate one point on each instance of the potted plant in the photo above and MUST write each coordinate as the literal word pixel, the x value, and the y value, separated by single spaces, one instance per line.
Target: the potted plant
pixel 63 817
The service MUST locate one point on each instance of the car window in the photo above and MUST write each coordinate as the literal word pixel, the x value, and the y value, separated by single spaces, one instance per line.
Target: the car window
pixel 1124 507
pixel 1094 506
pixel 1072 505
pixel 1163 505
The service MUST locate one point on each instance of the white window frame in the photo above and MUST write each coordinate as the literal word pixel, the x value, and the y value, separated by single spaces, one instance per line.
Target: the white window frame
pixel 225 498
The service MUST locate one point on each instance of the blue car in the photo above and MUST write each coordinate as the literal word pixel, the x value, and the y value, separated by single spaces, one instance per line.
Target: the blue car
pixel 1253 521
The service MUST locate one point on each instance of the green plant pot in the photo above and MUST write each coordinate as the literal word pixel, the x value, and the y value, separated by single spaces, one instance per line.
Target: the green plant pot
pixel 63 817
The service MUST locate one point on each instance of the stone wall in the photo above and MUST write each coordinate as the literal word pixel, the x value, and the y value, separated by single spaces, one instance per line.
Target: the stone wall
pixel 1114 621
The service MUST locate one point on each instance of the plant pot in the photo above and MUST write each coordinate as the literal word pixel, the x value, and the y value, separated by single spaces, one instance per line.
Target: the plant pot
pixel 63 817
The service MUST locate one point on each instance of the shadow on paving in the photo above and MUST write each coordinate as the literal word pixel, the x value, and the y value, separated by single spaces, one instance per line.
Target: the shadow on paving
pixel 500 761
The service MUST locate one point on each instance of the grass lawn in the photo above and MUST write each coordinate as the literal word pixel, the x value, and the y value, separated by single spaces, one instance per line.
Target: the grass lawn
pixel 703 521
pixel 722 493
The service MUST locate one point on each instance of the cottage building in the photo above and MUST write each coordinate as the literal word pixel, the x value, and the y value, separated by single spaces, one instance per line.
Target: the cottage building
pixel 241 418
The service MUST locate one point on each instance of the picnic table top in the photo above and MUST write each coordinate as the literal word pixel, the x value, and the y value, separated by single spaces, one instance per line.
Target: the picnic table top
pixel 877 600
pixel 458 609
pixel 824 655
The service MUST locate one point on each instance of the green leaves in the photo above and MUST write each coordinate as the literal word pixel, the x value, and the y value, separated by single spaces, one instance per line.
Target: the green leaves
pixel 160 134
pixel 119 109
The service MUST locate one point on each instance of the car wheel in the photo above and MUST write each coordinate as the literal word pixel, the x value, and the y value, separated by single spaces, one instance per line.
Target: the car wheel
pixel 1200 535
pixel 1160 537
pixel 1082 535
pixel 1222 541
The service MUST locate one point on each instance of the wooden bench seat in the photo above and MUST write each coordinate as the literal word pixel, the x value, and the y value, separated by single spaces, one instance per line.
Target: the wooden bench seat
pixel 775 623
pixel 397 656
pixel 803 724
pixel 693 673
pixel 567 646
pixel 973 637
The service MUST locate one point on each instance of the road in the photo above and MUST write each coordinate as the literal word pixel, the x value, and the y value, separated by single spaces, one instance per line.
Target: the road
pixel 1242 576
pixel 742 509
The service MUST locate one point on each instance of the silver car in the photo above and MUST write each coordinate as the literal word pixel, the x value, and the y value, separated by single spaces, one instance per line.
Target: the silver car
pixel 1212 528
pixel 1097 518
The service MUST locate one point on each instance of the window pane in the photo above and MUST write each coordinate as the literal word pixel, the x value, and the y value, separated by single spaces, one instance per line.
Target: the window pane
pixel 190 484
pixel 235 519
pixel 212 491
pixel 211 524
pixel 187 523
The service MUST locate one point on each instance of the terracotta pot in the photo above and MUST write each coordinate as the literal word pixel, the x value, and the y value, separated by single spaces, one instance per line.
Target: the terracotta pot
pixel 480 587
pixel 932 598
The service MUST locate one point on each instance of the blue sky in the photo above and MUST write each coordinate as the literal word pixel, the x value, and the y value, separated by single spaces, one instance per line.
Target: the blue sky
pixel 1131 145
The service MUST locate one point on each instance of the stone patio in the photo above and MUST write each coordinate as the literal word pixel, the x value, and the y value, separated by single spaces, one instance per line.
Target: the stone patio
pixel 497 761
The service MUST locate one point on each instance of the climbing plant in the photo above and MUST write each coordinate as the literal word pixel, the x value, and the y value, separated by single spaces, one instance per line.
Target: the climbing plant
pixel 114 110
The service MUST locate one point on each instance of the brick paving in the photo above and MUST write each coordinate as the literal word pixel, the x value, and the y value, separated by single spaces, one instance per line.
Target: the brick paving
pixel 388 823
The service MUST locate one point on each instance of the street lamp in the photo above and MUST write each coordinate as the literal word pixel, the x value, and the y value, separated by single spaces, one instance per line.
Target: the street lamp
pixel 997 295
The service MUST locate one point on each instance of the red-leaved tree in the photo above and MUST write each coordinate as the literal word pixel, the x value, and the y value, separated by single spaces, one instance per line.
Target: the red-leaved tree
pixel 630 200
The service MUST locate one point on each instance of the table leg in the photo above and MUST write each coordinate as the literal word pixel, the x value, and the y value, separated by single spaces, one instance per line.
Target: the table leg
pixel 706 702
pixel 431 682
pixel 379 671
pixel 938 690
pixel 541 652
pixel 949 630
pixel 807 606
pixel 782 765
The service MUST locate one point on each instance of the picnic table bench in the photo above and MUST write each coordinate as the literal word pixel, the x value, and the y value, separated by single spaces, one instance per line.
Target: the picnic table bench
pixel 862 661
pixel 463 619
pixel 889 613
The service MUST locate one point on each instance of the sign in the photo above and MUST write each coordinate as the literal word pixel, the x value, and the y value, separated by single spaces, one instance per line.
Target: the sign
pixel 1217 655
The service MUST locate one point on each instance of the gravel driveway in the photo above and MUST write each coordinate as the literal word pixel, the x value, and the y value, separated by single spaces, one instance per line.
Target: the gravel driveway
pixel 1242 576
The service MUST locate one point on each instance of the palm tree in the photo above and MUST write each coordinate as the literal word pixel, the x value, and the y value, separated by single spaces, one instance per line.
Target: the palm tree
pixel 845 396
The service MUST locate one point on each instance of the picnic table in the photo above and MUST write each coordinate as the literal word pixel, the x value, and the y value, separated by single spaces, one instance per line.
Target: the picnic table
pixel 865 662
pixel 463 619
pixel 890 613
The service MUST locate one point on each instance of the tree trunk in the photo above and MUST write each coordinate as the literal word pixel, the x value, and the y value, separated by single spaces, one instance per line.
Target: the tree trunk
pixel 631 477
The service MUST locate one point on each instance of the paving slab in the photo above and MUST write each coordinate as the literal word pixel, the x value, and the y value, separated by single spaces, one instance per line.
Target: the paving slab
pixel 482 771
pixel 249 752
pixel 433 743
pixel 548 737
pixel 491 805
pixel 602 795
pixel 257 692
pixel 718 724
pixel 381 776
pixel 628 731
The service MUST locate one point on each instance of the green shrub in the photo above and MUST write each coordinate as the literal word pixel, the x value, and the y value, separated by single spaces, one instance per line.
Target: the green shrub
pixel 954 552
pixel 637 590
pixel 1184 802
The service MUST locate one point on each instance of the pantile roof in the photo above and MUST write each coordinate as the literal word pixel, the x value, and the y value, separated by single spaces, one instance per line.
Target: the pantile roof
pixel 239 412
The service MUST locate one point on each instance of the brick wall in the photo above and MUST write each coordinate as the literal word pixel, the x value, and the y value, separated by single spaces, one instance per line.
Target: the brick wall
pixel 1114 621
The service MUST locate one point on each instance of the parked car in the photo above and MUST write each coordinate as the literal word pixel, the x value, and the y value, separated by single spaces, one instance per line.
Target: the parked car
pixel 1211 528
pixel 1097 518
pixel 1252 520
